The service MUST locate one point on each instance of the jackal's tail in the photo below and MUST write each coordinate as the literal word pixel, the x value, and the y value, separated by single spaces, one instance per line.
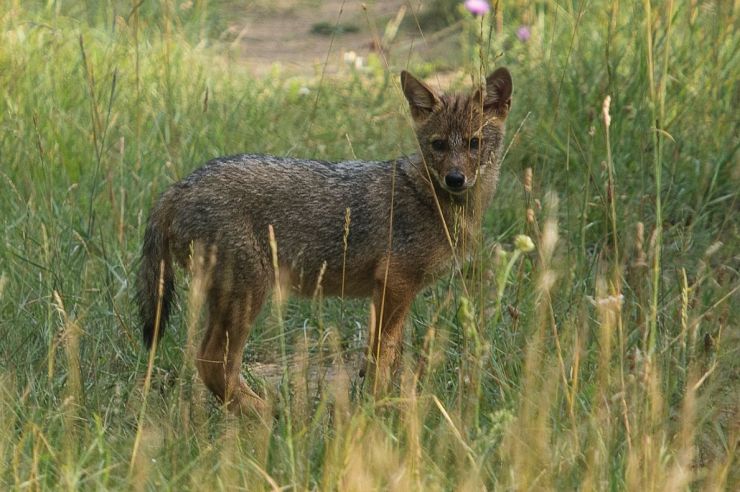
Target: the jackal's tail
pixel 156 278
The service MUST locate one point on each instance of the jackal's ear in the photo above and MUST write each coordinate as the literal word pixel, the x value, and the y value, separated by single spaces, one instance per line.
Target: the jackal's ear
pixel 497 95
pixel 422 100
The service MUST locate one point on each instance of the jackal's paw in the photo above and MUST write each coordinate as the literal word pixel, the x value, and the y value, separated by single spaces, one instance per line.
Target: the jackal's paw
pixel 377 379
pixel 246 403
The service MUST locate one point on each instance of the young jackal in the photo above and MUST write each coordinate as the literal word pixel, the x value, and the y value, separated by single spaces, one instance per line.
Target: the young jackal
pixel 407 218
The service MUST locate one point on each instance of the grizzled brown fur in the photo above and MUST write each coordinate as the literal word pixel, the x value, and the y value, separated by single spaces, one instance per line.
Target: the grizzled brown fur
pixel 406 218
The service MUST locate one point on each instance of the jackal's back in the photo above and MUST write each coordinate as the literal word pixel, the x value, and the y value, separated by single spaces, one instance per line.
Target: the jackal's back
pixel 312 205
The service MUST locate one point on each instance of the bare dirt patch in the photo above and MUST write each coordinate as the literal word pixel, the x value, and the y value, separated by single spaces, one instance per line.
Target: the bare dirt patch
pixel 305 38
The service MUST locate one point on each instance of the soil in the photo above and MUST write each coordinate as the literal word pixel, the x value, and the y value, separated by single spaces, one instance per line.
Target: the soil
pixel 285 33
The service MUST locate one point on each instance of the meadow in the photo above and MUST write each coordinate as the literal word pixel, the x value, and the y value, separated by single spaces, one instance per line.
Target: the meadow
pixel 608 358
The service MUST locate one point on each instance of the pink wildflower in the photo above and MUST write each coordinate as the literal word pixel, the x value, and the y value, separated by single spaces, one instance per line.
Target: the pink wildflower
pixel 523 33
pixel 477 7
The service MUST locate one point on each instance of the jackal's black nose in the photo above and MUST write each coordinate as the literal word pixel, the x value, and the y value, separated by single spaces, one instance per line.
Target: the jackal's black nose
pixel 455 180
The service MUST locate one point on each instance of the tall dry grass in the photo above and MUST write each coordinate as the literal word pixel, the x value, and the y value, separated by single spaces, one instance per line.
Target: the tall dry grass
pixel 604 359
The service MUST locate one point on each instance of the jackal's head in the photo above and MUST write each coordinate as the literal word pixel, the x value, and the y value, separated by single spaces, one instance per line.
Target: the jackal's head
pixel 460 136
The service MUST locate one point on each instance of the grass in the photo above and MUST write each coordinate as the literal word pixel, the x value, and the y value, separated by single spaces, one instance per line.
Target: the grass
pixel 605 359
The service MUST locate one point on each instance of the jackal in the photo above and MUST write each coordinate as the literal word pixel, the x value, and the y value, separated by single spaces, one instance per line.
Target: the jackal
pixel 406 217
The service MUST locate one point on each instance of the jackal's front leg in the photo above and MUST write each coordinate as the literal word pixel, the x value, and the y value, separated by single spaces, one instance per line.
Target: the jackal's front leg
pixel 392 300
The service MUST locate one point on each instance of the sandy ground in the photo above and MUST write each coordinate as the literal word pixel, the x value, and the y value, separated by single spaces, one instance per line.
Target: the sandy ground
pixel 283 33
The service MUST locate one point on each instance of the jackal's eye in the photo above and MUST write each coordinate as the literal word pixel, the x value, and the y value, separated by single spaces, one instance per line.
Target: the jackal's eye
pixel 439 144
pixel 474 143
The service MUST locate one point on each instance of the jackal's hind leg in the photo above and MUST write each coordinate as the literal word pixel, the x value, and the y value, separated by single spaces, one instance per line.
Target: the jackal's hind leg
pixel 231 314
